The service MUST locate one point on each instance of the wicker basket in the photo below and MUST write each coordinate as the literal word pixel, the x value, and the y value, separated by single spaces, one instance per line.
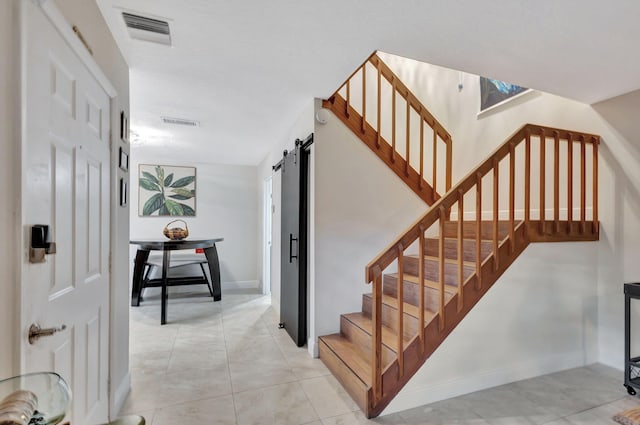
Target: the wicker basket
pixel 176 233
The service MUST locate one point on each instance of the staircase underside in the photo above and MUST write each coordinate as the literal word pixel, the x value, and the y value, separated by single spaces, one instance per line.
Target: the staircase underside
pixel 348 354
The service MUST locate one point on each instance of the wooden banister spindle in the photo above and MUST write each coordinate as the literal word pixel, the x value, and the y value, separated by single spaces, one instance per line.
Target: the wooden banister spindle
pixel 460 250
pixel 376 347
pixel 364 98
pixel 379 106
pixel 596 224
pixel 543 158
pixel 449 155
pixel 348 102
pixel 408 148
pixel 512 196
pixel 400 292
pixel 496 241
pixel 393 120
pixel 443 216
pixel 569 183
pixel 421 152
pixel 583 189
pixel 556 182
pixel 527 179
pixel 434 183
pixel 478 231
pixel 421 288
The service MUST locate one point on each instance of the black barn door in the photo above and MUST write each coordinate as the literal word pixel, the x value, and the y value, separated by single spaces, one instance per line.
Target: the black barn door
pixel 293 287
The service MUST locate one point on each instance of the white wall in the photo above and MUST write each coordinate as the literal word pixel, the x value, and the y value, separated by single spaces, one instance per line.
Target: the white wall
pixel 562 302
pixel 619 247
pixel 299 129
pixel 9 181
pixel 226 206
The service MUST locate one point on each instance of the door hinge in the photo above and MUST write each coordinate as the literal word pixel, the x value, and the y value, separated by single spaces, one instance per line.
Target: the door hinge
pixel 110 263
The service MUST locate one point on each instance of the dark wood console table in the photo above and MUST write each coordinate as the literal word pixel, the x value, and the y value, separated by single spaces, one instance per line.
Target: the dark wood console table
pixel 166 246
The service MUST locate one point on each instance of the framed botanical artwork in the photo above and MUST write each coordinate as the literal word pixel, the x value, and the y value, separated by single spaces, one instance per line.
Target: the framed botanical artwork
pixel 166 190
pixel 494 93
pixel 123 161
pixel 123 192
pixel 124 127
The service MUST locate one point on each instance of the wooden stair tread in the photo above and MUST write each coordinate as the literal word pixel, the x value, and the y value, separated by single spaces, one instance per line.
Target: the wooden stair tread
pixel 451 289
pixel 409 309
pixel 350 356
pixel 389 336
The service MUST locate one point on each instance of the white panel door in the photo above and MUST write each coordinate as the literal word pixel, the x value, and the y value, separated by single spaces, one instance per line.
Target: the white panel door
pixel 65 184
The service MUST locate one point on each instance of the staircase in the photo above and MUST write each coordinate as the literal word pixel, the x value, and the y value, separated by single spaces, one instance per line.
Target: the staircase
pixel 427 280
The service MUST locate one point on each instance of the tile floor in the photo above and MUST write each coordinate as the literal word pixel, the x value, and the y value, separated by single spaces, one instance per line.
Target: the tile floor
pixel 227 363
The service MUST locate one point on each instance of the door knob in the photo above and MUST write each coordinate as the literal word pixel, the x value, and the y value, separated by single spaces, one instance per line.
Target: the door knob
pixel 35 332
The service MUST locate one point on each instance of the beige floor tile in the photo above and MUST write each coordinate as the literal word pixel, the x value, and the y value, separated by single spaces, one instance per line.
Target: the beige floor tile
pixel 277 405
pixel 256 374
pixel 358 418
pixel 216 411
pixel 208 356
pixel 327 396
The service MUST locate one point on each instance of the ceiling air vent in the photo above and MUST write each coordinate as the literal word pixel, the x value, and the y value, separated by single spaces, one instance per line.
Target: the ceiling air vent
pixel 180 121
pixel 147 29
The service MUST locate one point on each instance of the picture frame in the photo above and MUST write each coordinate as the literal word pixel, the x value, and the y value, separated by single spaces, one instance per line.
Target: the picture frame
pixel 124 127
pixel 166 190
pixel 123 192
pixel 123 161
pixel 496 93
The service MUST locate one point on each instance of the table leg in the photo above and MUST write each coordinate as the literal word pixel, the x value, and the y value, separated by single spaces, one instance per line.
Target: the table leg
pixel 214 270
pixel 142 255
pixel 163 302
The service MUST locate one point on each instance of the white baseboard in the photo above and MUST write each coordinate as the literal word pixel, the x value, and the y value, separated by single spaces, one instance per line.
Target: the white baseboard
pixel 120 395
pixel 412 397
pixel 312 347
pixel 243 283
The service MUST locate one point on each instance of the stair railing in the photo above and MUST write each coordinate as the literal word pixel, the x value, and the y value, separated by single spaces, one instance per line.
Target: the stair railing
pixel 378 107
pixel 510 206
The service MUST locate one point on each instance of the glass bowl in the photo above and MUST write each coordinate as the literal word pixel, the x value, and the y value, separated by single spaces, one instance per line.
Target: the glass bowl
pixel 54 395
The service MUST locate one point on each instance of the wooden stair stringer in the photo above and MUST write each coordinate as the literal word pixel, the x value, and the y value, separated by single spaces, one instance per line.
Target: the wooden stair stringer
pixel 369 135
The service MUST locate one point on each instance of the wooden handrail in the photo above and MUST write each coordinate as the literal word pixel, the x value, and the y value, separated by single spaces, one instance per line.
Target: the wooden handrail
pixel 440 211
pixel 400 153
pixel 388 255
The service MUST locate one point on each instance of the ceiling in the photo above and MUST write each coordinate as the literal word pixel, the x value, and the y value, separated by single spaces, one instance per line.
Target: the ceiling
pixel 246 69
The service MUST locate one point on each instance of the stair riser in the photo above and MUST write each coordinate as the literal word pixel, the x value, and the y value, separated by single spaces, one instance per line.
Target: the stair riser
pixel 469 230
pixel 432 270
pixel 412 295
pixel 432 248
pixel 362 340
pixel 341 371
pixel 390 317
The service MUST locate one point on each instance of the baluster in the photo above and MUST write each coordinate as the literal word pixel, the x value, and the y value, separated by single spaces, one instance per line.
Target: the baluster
pixel 543 141
pixel 496 241
pixel 556 182
pixel 460 250
pixel 421 288
pixel 406 164
pixel 435 160
pixel 443 215
pixel 421 151
pixel 527 179
pixel 393 119
pixel 376 317
pixel 596 224
pixel 569 183
pixel 400 293
pixel 583 189
pixel 379 102
pixel 478 231
pixel 512 196
pixel 364 98
pixel 347 103
pixel 449 144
